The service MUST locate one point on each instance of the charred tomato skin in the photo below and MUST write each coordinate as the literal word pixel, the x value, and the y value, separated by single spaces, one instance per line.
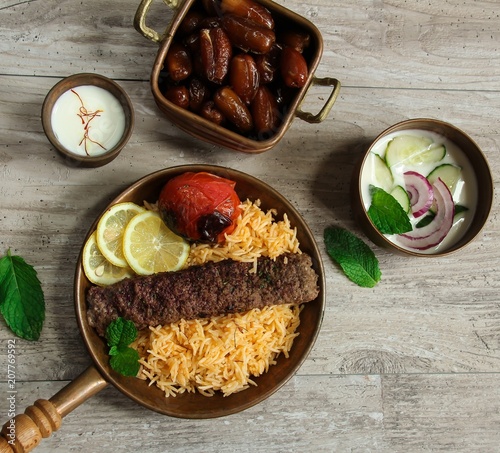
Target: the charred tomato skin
pixel 200 206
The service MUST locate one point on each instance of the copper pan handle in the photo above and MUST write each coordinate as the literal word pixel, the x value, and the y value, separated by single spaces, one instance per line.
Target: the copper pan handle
pixel 140 20
pixel 323 113
pixel 25 431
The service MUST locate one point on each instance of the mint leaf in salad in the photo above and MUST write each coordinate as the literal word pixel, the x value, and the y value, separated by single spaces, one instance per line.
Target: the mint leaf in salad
pixel 356 259
pixel 426 220
pixel 120 334
pixel 430 216
pixel 386 213
pixel 22 302
pixel 459 209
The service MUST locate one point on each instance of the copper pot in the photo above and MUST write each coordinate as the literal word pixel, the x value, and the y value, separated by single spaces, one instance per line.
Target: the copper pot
pixel 210 132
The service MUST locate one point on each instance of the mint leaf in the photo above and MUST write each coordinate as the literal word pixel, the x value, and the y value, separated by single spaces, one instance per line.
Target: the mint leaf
pixel 119 334
pixel 356 259
pixel 22 302
pixel 430 217
pixel 126 362
pixel 460 208
pixel 387 214
pixel 426 220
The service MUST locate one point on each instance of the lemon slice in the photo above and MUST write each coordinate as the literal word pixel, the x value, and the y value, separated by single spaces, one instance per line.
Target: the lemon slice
pixel 150 246
pixel 110 231
pixel 98 269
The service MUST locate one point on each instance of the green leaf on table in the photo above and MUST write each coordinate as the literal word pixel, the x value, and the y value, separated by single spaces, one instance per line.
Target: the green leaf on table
pixel 22 302
pixel 356 259
pixel 120 333
pixel 386 213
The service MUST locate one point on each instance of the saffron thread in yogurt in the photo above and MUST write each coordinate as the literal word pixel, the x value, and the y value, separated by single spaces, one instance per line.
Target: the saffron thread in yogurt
pixel 88 120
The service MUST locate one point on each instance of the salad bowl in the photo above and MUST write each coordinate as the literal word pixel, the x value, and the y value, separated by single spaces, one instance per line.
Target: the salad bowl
pixel 450 162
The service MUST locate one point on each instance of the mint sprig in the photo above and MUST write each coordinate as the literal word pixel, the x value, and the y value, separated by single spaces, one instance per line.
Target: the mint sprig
pixel 356 259
pixel 22 302
pixel 120 333
pixel 386 213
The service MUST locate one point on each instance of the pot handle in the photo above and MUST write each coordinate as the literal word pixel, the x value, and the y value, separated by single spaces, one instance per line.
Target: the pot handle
pixel 140 20
pixel 24 432
pixel 323 113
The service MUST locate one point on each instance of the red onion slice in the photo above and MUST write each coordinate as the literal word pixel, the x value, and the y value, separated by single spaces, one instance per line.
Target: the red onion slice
pixel 420 192
pixel 432 234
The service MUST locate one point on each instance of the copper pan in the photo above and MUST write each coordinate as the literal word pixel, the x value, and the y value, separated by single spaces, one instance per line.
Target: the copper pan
pixel 205 130
pixel 45 416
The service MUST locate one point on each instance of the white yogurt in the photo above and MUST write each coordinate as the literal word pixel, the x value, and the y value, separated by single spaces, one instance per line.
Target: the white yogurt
pixel 465 192
pixel 88 120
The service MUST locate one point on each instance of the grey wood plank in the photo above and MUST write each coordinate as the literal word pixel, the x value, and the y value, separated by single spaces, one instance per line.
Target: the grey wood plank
pixel 445 413
pixel 393 412
pixel 317 413
pixel 384 44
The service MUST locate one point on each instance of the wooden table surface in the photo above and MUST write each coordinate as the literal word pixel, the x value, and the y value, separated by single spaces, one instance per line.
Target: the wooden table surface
pixel 410 365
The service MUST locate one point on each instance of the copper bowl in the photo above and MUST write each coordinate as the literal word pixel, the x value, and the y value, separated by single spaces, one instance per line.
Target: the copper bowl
pixel 474 159
pixel 100 81
pixel 205 130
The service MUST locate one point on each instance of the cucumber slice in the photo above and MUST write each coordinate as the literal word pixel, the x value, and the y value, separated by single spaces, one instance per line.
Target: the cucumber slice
pixel 401 195
pixel 383 175
pixel 450 174
pixel 413 150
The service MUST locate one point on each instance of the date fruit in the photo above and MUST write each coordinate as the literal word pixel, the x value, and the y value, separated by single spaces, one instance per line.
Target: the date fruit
pixel 244 77
pixel 293 68
pixel 247 35
pixel 211 113
pixel 192 43
pixel 178 95
pixel 234 109
pixel 198 94
pixel 190 23
pixel 178 62
pixel 265 111
pixel 268 64
pixel 297 39
pixel 211 7
pixel 249 10
pixel 216 52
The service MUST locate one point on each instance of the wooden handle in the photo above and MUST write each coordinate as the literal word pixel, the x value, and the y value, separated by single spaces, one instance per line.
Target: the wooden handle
pixel 24 432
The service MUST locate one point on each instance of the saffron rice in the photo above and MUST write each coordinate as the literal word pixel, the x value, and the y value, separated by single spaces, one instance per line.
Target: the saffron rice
pixel 223 353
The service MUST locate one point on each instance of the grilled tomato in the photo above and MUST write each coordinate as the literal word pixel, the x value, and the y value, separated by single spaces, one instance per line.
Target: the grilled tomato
pixel 200 206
